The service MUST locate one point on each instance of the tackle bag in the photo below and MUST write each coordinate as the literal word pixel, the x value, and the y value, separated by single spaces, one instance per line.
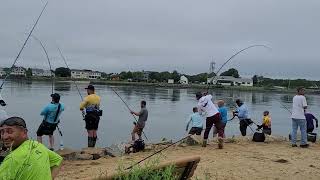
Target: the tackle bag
pixel 258 137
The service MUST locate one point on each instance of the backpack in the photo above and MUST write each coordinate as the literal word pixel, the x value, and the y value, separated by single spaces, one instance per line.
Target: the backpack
pixel 138 145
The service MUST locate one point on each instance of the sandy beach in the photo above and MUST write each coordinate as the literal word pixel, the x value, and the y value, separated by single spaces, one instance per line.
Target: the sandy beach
pixel 240 159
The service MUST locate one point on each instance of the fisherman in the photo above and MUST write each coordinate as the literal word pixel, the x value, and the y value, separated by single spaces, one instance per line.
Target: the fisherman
pixel 91 106
pixel 205 105
pixel 242 113
pixel 51 119
pixel 266 123
pixel 143 117
pixel 28 159
pixel 310 125
pixel 196 121
pixel 299 106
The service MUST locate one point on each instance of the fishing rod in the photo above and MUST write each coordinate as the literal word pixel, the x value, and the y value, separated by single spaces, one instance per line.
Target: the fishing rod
pixel 234 55
pixel 48 59
pixel 23 46
pixel 74 81
pixel 136 121
pixel 52 84
pixel 157 152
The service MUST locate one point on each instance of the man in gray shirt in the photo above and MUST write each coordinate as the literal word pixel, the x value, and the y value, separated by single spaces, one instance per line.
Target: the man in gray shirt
pixel 138 126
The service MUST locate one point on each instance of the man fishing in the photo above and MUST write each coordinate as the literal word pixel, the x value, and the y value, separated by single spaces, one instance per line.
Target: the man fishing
pixel 299 106
pixel 143 117
pixel 28 159
pixel 242 113
pixel 91 106
pixel 51 119
pixel 205 105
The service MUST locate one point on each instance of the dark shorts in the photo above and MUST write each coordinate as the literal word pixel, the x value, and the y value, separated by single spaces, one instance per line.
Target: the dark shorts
pixel 46 128
pixel 92 121
pixel 195 130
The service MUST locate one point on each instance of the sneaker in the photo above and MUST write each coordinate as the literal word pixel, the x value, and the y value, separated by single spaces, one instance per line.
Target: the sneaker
pixel 304 145
pixel 204 143
pixel 294 145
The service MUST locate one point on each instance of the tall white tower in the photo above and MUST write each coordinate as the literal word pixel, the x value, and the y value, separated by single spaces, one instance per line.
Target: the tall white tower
pixel 212 67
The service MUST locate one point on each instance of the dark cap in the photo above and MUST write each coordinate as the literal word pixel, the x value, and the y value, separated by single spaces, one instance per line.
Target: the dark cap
pixel 91 87
pixel 198 95
pixel 14 121
pixel 55 96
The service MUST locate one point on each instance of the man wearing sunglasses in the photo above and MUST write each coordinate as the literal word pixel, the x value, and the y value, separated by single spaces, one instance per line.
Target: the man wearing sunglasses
pixel 28 159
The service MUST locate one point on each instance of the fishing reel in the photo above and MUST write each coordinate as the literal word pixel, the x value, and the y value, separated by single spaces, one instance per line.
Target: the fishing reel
pixel 2 103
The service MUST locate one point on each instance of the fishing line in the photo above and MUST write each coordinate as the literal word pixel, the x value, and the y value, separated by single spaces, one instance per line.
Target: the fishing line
pixel 52 83
pixel 157 152
pixel 23 46
pixel 234 55
pixel 136 121
pixel 74 81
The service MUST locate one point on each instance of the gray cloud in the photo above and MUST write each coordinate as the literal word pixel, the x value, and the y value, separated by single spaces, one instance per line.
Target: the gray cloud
pixel 165 35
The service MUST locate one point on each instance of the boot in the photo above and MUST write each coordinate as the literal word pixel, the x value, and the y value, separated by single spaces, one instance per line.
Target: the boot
pixel 220 143
pixel 94 140
pixel 204 143
pixel 90 141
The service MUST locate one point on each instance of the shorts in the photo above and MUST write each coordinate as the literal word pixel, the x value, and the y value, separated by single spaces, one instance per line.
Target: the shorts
pixel 138 129
pixel 92 121
pixel 195 130
pixel 46 128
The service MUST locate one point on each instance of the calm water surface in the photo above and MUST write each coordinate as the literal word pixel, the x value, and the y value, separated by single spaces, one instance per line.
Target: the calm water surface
pixel 168 110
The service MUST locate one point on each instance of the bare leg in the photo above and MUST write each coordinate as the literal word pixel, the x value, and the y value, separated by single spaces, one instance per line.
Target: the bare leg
pixel 39 139
pixel 51 141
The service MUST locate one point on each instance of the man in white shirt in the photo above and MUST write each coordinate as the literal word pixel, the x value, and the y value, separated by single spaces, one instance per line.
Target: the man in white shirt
pixel 205 105
pixel 299 105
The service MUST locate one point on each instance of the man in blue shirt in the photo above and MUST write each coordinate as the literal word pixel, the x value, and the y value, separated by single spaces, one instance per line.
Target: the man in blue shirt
pixel 310 126
pixel 51 119
pixel 243 114
pixel 196 121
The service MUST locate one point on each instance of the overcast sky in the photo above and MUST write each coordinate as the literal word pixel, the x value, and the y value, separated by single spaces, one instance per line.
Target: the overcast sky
pixel 167 35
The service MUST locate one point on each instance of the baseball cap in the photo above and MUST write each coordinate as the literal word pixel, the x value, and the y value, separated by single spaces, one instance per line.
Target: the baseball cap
pixel 14 121
pixel 91 87
pixel 55 96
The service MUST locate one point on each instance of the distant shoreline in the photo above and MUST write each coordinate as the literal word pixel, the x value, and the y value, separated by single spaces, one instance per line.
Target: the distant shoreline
pixel 167 85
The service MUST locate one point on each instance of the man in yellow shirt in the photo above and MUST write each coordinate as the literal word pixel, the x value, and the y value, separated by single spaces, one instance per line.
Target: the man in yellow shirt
pixel 91 106
pixel 28 159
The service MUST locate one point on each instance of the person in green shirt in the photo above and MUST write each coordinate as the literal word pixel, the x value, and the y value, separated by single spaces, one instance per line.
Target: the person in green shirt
pixel 28 159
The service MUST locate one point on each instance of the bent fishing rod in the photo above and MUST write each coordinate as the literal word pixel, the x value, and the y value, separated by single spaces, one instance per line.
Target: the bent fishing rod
pixel 50 67
pixel 74 81
pixel 136 121
pixel 157 152
pixel 234 55
pixel 23 46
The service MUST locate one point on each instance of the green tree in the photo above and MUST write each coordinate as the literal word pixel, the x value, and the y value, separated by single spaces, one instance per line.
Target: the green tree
pixel 231 72
pixel 63 72
pixel 29 72
pixel 175 76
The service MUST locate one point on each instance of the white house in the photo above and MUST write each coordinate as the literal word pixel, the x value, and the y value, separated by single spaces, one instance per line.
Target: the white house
pixel 85 74
pixel 170 81
pixel 230 81
pixel 18 71
pixel 41 73
pixel 183 80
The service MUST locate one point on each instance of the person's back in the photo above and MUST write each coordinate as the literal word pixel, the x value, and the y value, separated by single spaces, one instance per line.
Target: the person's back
pixel 143 116
pixel 50 111
pixel 243 112
pixel 224 114
pixel 298 104
pixel 31 160
pixel 206 105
